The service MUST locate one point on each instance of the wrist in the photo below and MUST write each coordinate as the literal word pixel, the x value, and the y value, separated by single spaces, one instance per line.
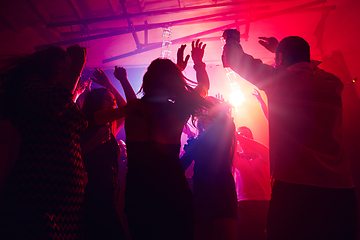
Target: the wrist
pixel 199 65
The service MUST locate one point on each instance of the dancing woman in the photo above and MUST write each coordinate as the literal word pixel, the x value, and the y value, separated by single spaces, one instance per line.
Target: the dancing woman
pixel 158 201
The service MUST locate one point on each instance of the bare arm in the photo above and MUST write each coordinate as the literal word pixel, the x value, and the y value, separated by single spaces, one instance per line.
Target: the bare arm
pixel 253 70
pixel 109 115
pixel 120 74
pixel 262 103
pixel 197 54
pixel 101 78
pixel 81 87
pixel 78 58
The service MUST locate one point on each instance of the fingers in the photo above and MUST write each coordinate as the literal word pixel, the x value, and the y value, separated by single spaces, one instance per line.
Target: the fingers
pixel 203 47
pixel 187 59
pixel 198 44
pixel 263 43
pixel 180 51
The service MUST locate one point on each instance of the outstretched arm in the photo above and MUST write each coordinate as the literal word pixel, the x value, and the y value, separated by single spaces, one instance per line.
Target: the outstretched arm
pixel 270 43
pixel 262 103
pixel 120 74
pixel 253 70
pixel 110 115
pixel 197 54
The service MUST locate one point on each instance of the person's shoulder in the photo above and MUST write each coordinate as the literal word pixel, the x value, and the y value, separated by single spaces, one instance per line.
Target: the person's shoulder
pixel 326 75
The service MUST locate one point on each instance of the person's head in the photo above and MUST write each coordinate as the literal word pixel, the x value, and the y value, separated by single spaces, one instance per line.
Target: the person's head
pixel 97 99
pixel 163 77
pixel 245 131
pixel 292 50
pixel 47 64
pixel 218 108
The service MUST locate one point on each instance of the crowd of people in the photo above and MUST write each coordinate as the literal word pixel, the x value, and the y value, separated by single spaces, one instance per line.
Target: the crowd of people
pixel 63 180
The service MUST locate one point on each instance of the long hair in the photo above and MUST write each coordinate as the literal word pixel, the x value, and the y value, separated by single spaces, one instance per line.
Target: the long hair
pixel 218 112
pixel 164 77
pixel 44 64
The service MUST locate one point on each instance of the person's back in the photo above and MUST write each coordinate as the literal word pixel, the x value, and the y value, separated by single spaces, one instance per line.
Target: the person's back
pixel 305 110
pixel 313 195
pixel 158 201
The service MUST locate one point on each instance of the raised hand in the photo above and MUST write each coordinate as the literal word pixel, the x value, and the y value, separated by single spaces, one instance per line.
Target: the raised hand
pixel 120 73
pixel 262 103
pixel 270 43
pixel 101 78
pixel 180 58
pixel 220 97
pixel 82 85
pixel 197 52
pixel 257 95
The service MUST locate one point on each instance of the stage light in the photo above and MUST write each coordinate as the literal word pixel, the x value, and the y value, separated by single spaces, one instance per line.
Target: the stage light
pixel 236 98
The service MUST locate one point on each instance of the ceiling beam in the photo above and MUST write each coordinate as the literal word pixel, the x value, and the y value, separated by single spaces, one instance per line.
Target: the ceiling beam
pixel 126 30
pixel 36 11
pixel 218 29
pixel 171 23
pixel 130 24
pixel 143 14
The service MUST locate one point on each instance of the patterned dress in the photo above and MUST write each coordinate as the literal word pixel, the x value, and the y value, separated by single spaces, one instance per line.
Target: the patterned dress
pixel 44 192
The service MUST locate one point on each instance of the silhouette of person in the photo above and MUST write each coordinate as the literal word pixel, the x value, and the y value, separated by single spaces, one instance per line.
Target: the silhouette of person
pixel 313 196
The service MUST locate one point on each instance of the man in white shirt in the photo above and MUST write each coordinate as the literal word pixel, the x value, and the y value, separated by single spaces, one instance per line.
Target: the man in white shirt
pixel 253 188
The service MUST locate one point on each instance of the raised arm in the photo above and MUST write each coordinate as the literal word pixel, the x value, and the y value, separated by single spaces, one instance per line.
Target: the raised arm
pixel 120 74
pixel 270 43
pixel 253 70
pixel 101 79
pixel 81 87
pixel 108 115
pixel 197 54
pixel 181 62
pixel 78 58
pixel 262 103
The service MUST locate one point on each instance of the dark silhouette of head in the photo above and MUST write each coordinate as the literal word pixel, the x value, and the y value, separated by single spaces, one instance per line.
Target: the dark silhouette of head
pixel 292 50
pixel 46 64
pixel 163 77
pixel 94 101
